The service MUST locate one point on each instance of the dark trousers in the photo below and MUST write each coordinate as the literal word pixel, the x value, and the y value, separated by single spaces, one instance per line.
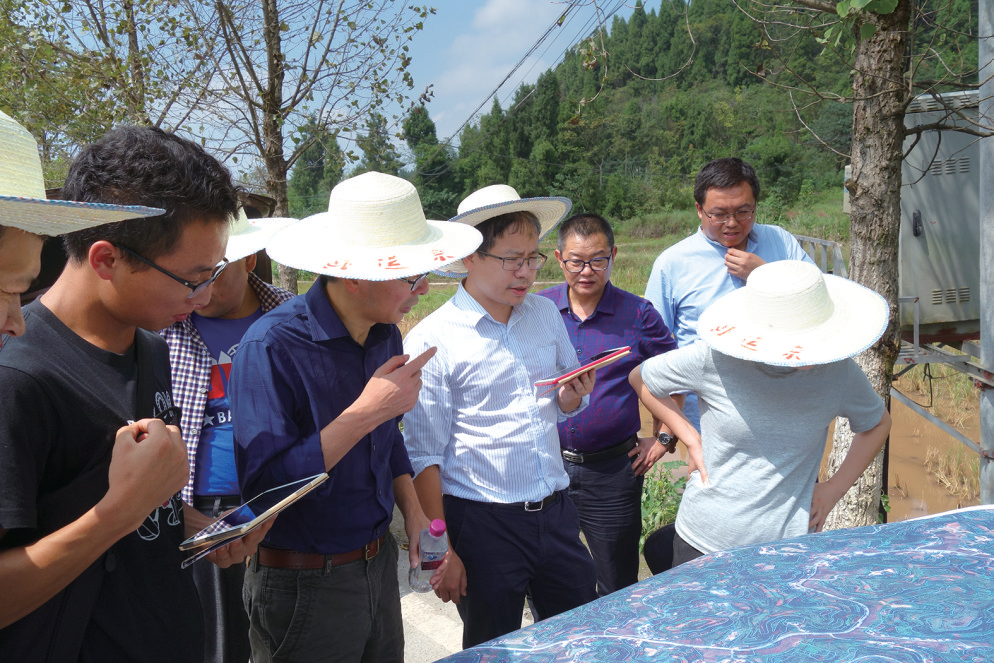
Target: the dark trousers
pixel 348 613
pixel 226 626
pixel 608 498
pixel 658 549
pixel 507 551
pixel 682 551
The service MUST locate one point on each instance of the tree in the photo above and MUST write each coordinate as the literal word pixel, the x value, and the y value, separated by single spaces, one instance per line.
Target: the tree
pixel 318 169
pixel 244 76
pixel 875 38
pixel 378 152
pixel 286 62
pixel 434 175
pixel 74 70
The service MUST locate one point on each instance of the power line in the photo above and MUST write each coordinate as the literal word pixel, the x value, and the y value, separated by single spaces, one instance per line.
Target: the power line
pixel 541 39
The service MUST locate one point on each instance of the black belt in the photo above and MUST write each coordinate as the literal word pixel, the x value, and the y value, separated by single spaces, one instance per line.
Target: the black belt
pixel 603 454
pixel 534 506
pixel 216 503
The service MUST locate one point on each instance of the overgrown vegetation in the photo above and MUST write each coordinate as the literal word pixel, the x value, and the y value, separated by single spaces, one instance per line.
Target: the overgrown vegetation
pixel 661 495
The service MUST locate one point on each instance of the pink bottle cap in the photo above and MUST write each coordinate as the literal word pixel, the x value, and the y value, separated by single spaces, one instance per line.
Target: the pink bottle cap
pixel 437 528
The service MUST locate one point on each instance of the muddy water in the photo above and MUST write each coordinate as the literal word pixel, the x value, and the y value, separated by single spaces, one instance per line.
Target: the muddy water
pixel 912 491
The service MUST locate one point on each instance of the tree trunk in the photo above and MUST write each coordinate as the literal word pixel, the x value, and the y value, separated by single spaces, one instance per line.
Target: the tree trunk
pixel 881 91
pixel 272 127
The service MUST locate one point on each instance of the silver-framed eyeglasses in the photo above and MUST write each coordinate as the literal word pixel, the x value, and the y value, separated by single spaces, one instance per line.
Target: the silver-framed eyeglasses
pixel 597 264
pixel 742 216
pixel 514 264
pixel 195 288
pixel 415 281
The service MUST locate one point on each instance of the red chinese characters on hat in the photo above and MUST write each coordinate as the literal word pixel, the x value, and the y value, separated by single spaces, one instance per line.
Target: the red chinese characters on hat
pixel 441 256
pixel 343 265
pixel 794 354
pixel 391 263
pixel 752 343
pixel 721 330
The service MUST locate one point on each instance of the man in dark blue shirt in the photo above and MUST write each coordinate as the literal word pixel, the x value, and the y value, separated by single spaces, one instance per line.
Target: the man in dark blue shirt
pixel 603 455
pixel 319 384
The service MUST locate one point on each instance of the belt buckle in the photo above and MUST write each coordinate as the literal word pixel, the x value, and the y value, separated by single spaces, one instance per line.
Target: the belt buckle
pixel 368 552
pixel 537 506
pixel 573 456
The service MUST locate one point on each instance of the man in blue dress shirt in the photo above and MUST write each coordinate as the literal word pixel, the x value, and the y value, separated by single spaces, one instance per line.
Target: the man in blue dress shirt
pixel 604 457
pixel 719 257
pixel 483 438
pixel 319 385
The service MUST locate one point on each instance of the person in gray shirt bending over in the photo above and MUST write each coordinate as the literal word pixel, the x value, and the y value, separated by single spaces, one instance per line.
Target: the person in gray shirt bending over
pixel 773 370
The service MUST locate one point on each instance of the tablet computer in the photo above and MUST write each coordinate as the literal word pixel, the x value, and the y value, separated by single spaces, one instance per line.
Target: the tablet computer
pixel 243 519
pixel 598 360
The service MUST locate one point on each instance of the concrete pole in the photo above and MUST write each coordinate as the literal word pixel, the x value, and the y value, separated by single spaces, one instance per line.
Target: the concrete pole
pixel 986 25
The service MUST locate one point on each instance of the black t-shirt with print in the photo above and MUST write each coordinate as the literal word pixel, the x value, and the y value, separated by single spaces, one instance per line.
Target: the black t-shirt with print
pixel 62 401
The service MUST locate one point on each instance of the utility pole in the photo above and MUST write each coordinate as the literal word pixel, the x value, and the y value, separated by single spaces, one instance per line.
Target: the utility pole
pixel 986 46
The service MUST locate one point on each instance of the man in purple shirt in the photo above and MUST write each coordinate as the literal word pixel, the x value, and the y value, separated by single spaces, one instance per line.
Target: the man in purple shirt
pixel 602 453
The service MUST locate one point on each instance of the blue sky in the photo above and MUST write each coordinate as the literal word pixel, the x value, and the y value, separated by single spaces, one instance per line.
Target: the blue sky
pixel 469 46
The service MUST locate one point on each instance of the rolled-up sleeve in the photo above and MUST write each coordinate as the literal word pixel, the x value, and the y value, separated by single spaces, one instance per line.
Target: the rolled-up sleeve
pixel 428 426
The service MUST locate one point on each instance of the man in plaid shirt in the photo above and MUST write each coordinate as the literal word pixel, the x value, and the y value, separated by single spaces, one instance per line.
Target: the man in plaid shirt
pixel 201 348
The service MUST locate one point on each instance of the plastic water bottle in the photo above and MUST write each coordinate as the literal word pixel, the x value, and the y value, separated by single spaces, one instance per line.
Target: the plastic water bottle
pixel 433 545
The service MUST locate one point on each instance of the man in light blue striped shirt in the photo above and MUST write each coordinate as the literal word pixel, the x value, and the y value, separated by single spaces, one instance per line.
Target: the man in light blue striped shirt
pixel 483 440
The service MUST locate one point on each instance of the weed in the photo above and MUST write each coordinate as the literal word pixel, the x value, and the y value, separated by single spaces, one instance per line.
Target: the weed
pixel 957 470
pixel 885 505
pixel 661 495
pixel 899 489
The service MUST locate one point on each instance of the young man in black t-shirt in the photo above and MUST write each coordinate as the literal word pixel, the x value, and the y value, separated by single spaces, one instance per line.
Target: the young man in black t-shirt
pixel 89 519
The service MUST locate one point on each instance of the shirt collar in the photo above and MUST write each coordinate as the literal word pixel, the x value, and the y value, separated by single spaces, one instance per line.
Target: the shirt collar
pixel 475 312
pixel 323 320
pixel 324 323
pixel 560 297
pixel 465 302
pixel 750 242
pixel 269 295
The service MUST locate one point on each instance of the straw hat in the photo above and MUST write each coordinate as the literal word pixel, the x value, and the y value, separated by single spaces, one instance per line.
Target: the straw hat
pixel 497 199
pixel 374 230
pixel 249 236
pixel 22 192
pixel 790 314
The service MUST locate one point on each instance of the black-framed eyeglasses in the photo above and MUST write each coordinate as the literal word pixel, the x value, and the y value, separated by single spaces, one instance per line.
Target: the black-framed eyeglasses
pixel 576 266
pixel 741 216
pixel 514 264
pixel 195 288
pixel 415 282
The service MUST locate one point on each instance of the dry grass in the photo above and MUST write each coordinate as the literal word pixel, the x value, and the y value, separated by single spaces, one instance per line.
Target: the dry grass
pixel 957 470
pixel 899 488
pixel 951 395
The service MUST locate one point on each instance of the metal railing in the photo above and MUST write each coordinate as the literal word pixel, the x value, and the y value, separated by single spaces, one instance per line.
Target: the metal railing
pixel 820 250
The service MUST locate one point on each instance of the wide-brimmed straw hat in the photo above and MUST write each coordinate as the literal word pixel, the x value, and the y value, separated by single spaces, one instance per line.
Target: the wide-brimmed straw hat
pixel 497 199
pixel 249 236
pixel 22 192
pixel 790 314
pixel 374 230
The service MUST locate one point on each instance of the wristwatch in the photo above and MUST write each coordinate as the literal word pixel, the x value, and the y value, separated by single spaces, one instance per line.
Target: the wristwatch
pixel 668 441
